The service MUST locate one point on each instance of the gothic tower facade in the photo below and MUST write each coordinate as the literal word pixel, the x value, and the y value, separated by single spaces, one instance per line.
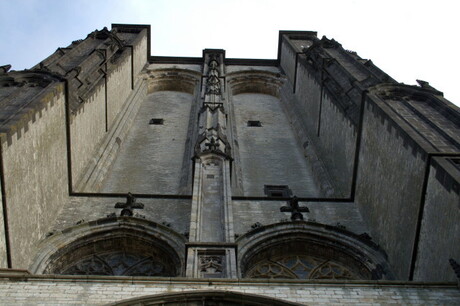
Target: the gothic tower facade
pixel 132 179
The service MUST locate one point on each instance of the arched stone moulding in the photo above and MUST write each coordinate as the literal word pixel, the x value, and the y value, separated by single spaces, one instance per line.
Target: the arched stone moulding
pixel 104 234
pixel 312 239
pixel 255 81
pixel 172 79
pixel 200 297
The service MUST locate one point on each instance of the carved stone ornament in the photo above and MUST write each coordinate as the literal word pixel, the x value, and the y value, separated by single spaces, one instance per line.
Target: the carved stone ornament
pixel 211 263
pixel 213 82
pixel 213 145
pixel 295 210
pixel 127 208
pixel 256 225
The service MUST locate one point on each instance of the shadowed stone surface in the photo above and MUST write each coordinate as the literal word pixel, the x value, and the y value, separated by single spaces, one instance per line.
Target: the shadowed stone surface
pixel 150 160
pixel 269 154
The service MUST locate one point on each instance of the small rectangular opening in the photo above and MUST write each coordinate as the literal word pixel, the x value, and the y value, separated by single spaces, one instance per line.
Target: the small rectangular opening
pixel 277 191
pixel 254 123
pixel 156 121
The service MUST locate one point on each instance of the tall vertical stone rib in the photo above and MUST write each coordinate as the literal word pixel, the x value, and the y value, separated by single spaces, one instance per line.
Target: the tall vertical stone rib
pixel 211 223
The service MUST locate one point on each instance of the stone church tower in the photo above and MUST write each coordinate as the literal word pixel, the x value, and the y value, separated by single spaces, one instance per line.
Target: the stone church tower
pixel 313 178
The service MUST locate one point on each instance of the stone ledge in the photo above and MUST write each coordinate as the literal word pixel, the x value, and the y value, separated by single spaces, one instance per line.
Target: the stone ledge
pixel 24 275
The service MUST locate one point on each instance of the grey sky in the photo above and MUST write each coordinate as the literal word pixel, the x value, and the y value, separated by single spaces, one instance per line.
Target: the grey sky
pixel 407 39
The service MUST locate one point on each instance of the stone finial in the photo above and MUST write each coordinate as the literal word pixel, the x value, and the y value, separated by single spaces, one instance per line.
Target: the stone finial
pixel 295 209
pixel 127 208
pixel 426 85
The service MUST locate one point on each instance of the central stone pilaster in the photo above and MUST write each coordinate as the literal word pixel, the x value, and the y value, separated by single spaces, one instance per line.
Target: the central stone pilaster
pixel 211 251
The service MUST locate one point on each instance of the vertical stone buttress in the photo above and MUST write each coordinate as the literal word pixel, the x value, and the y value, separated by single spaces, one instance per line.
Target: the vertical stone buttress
pixel 211 248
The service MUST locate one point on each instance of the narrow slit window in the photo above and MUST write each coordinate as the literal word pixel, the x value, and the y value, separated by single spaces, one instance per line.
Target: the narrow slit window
pixel 277 191
pixel 254 123
pixel 156 121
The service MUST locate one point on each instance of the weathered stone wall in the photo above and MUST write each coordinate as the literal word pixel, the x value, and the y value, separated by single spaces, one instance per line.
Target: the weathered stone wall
pixel 35 168
pixel 140 54
pixel 118 86
pixel 100 78
pixel 105 153
pixel 287 60
pixel 305 102
pixel 90 290
pixel 247 213
pixel 302 109
pixel 3 256
pixel 336 141
pixel 390 177
pixel 87 128
pixel 314 112
pixel 291 44
pixel 336 144
pixel 158 149
pixel 269 154
pixel 440 230
pixel 98 114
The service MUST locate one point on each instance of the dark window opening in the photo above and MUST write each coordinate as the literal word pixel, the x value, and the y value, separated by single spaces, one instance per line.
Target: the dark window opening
pixel 277 191
pixel 254 123
pixel 156 121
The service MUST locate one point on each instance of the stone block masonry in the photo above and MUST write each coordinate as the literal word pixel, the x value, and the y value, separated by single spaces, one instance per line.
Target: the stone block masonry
pixel 159 148
pixel 22 289
pixel 37 156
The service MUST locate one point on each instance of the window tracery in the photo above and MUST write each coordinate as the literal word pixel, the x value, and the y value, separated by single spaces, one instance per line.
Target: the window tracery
pixel 118 263
pixel 120 254
pixel 300 267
